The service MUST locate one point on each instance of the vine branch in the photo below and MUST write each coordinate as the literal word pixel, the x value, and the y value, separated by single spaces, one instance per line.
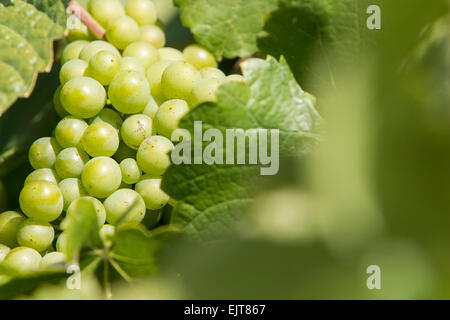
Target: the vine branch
pixel 97 30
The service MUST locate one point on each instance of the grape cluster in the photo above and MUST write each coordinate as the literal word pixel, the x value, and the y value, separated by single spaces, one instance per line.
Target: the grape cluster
pixel 120 101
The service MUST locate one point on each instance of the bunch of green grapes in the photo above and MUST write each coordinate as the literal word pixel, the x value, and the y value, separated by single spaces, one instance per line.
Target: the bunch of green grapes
pixel 120 100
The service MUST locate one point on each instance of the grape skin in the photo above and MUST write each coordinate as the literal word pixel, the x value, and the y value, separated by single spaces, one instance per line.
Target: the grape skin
pixel 153 35
pixel 151 109
pixel 129 92
pixel 100 139
pixel 53 261
pixel 199 57
pixel 60 111
pixel 43 174
pixel 61 243
pixel 69 131
pixel 169 115
pixel 43 152
pixel 101 176
pixel 95 47
pixel 122 31
pixel 83 97
pixel 136 129
pixel 22 259
pixel 144 52
pixel 130 171
pixel 149 187
pixel 4 250
pixel 72 69
pixel 125 201
pixel 235 78
pixel 10 222
pixel 108 116
pixel 73 210
pixel 107 233
pixel 131 64
pixel 153 155
pixel 142 11
pixel 170 54
pixel 71 189
pixel 205 91
pixel 178 80
pixel 36 235
pixel 41 200
pixel 70 162
pixel 72 50
pixel 105 10
pixel 103 66
pixel 154 75
pixel 209 72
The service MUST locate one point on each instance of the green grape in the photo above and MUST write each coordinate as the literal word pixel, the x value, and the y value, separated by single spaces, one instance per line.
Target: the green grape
pixel 178 80
pixel 153 155
pixel 210 72
pixel 61 243
pixel 149 187
pixel 43 174
pixel 53 261
pixel 136 129
pixel 69 131
pixel 41 200
pixel 142 11
pixel 125 201
pixel 35 234
pixel 103 66
pixel 77 30
pixel 169 115
pixel 124 152
pixel 154 75
pixel 95 47
pixel 235 78
pixel 4 250
pixel 100 139
pixel 122 31
pixel 144 52
pixel 72 50
pixel 153 35
pixel 83 97
pixel 107 233
pixel 105 10
pixel 60 111
pixel 151 109
pixel 43 152
pixel 129 92
pixel 70 162
pixel 10 222
pixel 74 209
pixel 101 177
pixel 71 189
pixel 110 117
pixel 205 91
pixel 72 69
pixel 199 57
pixel 131 64
pixel 130 171
pixel 170 54
pixel 22 259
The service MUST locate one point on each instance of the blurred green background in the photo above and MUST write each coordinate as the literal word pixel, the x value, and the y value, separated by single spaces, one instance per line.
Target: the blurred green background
pixel 375 192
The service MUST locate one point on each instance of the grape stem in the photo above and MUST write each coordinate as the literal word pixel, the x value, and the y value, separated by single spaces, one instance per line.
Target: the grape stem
pixel 84 16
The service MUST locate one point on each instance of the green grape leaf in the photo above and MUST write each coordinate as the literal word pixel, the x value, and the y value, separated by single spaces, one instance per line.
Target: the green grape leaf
pixel 82 229
pixel 26 48
pixel 211 197
pixel 55 9
pixel 12 287
pixel 227 28
pixel 308 31
pixel 134 250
